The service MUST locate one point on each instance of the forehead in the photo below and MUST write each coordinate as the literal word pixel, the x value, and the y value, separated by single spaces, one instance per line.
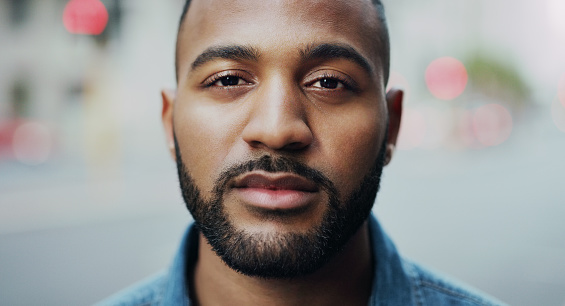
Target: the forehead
pixel 279 25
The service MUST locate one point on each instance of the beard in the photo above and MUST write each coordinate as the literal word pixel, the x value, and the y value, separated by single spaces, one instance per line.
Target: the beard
pixel 280 255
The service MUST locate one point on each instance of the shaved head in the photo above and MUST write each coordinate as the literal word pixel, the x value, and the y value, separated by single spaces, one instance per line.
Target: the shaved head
pixel 381 37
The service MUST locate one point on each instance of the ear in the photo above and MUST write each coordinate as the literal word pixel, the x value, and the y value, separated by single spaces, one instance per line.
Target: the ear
pixel 169 96
pixel 394 104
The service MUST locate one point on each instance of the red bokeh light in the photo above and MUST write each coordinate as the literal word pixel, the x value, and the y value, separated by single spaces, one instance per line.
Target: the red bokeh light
pixel 492 124
pixel 7 129
pixel 85 17
pixel 446 78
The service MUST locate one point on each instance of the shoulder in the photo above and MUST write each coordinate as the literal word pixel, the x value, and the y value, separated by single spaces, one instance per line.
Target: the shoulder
pixel 431 288
pixel 147 292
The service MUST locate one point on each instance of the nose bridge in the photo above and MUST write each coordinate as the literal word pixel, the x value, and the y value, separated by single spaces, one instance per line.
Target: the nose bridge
pixel 280 104
pixel 278 118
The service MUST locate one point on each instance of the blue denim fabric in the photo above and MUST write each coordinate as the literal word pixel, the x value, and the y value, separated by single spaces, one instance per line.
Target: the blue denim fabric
pixel 397 281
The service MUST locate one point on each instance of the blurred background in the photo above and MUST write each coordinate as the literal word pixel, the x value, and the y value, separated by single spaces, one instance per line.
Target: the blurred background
pixel 89 199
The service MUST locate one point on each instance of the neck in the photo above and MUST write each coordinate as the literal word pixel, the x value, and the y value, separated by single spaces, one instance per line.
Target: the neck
pixel 345 280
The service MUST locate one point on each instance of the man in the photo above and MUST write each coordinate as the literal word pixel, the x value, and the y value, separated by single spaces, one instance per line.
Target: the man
pixel 280 127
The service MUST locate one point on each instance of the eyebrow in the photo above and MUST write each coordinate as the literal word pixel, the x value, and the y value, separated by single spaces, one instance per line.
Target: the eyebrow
pixel 312 52
pixel 231 52
pixel 336 51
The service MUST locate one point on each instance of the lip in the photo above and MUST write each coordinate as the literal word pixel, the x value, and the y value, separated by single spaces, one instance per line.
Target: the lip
pixel 275 191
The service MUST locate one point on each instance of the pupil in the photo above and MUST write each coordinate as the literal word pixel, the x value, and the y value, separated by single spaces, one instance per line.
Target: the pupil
pixel 230 81
pixel 329 83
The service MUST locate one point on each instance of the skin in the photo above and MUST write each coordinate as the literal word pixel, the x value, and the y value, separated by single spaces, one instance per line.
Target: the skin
pixel 279 107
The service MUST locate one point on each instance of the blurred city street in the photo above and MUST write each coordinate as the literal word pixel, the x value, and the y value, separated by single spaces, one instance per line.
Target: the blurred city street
pixel 89 195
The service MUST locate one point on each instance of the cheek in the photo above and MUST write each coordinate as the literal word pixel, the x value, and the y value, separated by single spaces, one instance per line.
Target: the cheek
pixel 351 145
pixel 204 140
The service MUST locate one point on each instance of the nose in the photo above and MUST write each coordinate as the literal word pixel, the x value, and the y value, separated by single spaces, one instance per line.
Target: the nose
pixel 278 119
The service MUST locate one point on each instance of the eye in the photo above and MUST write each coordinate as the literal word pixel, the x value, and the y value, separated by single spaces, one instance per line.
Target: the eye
pixel 228 84
pixel 229 80
pixel 329 83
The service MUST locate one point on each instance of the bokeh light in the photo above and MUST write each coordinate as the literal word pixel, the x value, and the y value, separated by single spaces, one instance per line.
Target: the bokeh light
pixel 492 124
pixel 558 115
pixel 412 129
pixel 446 78
pixel 561 90
pixel 32 143
pixel 85 17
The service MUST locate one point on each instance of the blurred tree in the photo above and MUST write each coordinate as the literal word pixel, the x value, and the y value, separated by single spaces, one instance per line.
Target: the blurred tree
pixel 498 80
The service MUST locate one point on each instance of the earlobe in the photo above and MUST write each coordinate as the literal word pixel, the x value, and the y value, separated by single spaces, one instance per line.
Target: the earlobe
pixel 394 99
pixel 169 97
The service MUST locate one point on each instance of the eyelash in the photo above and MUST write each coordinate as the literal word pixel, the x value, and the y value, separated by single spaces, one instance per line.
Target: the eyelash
pixel 347 83
pixel 209 82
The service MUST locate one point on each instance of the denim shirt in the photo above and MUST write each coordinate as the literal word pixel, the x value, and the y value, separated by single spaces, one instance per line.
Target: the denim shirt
pixel 397 281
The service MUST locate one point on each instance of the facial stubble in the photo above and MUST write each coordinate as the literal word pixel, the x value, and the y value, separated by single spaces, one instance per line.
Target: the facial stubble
pixel 279 255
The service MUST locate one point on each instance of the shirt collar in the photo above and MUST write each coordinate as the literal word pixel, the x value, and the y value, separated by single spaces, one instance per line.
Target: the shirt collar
pixel 176 288
pixel 390 282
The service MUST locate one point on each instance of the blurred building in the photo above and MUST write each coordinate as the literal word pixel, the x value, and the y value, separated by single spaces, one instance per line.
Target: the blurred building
pixel 79 109
pixel 66 91
pixel 45 78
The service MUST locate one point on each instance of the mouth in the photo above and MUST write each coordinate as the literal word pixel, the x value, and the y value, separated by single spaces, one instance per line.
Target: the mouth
pixel 275 191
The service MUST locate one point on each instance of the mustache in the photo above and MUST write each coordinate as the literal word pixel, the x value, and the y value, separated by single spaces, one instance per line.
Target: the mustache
pixel 271 164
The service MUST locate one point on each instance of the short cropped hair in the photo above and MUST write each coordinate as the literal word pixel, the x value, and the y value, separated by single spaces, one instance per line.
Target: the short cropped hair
pixel 383 36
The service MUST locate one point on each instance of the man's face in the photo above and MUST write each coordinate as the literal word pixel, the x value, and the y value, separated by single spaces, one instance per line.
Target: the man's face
pixel 279 118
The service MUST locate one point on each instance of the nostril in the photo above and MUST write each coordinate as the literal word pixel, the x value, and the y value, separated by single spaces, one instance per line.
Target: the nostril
pixel 295 145
pixel 255 143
